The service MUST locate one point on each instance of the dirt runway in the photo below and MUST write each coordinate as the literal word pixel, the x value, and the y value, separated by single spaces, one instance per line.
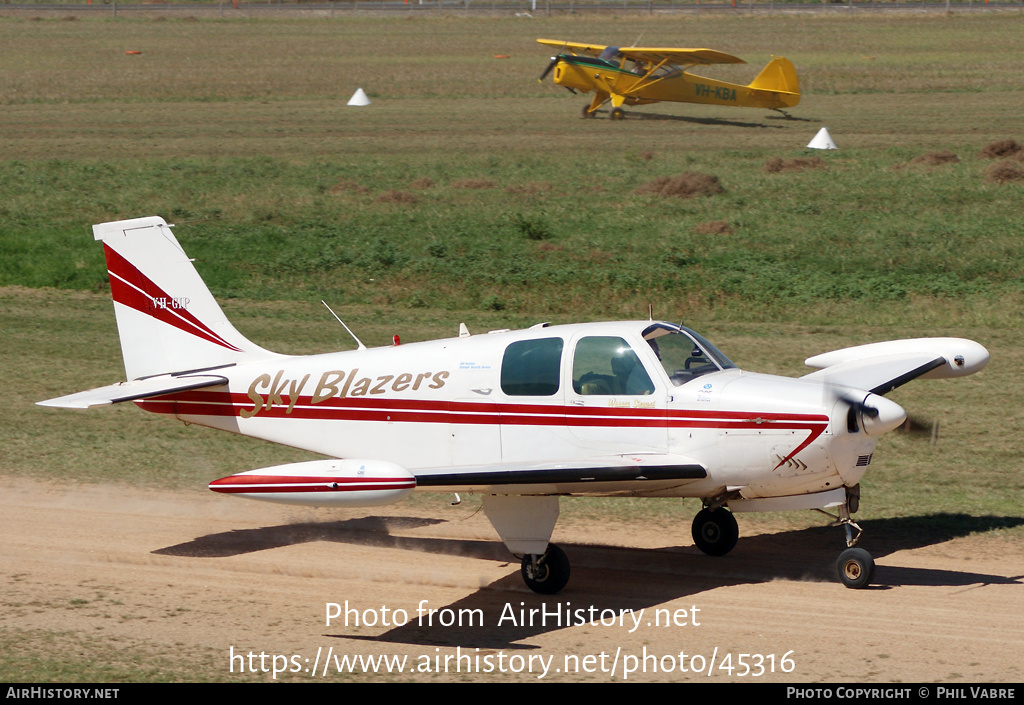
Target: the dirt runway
pixel 225 586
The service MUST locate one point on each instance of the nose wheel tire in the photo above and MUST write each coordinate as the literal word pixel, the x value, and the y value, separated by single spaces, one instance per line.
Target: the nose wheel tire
pixel 546 574
pixel 856 568
pixel 715 531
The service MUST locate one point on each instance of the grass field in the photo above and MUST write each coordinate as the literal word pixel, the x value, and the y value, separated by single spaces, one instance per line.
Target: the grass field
pixel 469 192
pixel 465 169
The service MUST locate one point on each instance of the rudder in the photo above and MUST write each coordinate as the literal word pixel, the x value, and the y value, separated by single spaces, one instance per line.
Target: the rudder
pixel 167 319
pixel 779 76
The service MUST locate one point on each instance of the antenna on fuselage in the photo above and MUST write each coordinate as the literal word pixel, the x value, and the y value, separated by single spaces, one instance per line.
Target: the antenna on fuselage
pixel 358 341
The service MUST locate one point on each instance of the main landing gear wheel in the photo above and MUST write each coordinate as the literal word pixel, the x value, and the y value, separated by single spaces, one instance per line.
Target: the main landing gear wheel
pixel 618 114
pixel 715 531
pixel 856 568
pixel 546 574
pixel 587 113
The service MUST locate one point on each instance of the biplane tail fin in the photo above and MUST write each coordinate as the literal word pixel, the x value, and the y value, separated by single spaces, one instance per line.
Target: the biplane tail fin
pixel 167 319
pixel 779 76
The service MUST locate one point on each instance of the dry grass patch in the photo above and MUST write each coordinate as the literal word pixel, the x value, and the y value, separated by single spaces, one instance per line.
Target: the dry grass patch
pixel 714 227
pixel 1000 149
pixel 931 159
pixel 424 182
pixel 686 185
pixel 1004 172
pixel 936 158
pixel 474 184
pixel 348 185
pixel 777 165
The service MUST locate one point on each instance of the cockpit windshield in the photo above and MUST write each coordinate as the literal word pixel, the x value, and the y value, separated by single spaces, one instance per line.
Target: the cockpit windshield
pixel 611 55
pixel 683 353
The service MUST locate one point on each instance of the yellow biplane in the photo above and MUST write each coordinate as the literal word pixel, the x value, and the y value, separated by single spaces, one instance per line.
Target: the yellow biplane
pixel 638 76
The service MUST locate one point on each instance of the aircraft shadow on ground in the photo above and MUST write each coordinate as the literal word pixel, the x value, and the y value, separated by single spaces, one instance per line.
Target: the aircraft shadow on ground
pixel 721 122
pixel 609 580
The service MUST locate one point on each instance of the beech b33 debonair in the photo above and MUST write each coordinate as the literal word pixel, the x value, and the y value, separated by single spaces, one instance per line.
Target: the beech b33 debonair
pixel 644 75
pixel 521 417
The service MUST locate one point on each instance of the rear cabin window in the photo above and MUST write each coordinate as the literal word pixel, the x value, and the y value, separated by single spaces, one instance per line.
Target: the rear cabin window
pixel 531 368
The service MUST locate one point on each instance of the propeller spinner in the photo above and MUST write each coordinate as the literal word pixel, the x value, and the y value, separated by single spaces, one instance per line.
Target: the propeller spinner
pixel 873 414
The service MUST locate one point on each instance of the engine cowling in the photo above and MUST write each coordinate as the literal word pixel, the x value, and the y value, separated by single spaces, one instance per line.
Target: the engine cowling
pixel 323 483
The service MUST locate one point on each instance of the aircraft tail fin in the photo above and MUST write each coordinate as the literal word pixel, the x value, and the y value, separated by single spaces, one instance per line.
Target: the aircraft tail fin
pixel 167 319
pixel 778 76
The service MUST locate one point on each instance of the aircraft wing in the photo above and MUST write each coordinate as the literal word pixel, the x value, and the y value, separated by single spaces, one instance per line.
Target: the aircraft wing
pixel 634 474
pixel 575 47
pixel 134 390
pixel 689 57
pixel 882 367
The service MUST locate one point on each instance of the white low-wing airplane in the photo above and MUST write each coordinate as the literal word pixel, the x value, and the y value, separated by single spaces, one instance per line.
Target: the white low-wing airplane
pixel 638 409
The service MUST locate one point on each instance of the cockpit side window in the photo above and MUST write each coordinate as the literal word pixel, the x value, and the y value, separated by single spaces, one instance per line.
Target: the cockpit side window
pixel 684 354
pixel 606 365
pixel 532 367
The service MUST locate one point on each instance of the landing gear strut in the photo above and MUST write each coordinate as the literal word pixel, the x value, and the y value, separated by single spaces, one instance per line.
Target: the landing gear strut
pixel 546 574
pixel 856 567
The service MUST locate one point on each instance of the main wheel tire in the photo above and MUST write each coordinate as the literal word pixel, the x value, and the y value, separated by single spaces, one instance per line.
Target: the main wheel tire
pixel 617 114
pixel 715 531
pixel 550 574
pixel 586 111
pixel 856 568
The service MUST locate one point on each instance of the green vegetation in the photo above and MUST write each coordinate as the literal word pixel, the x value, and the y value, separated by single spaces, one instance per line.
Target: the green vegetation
pixel 468 185
pixel 469 192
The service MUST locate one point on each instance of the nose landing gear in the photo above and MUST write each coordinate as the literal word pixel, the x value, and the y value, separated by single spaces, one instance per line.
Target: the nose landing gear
pixel 856 567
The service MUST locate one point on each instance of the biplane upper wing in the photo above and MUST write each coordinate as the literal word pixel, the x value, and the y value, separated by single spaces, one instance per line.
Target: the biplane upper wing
pixel 689 57
pixel 575 47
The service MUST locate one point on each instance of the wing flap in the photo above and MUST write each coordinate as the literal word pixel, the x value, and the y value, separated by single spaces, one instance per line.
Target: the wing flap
pixel 881 367
pixel 134 390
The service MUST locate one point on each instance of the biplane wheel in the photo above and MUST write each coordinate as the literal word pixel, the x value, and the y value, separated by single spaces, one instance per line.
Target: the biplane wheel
pixel 617 114
pixel 715 531
pixel 551 572
pixel 586 111
pixel 856 568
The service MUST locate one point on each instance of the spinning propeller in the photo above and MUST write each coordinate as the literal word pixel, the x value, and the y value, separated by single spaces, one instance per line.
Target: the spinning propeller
pixel 554 62
pixel 865 411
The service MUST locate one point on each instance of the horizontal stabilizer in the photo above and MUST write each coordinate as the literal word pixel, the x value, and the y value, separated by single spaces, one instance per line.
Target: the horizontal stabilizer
pixel 134 390
pixel 882 367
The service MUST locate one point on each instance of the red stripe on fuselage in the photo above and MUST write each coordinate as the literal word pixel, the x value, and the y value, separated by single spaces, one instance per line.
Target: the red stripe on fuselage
pixel 212 403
